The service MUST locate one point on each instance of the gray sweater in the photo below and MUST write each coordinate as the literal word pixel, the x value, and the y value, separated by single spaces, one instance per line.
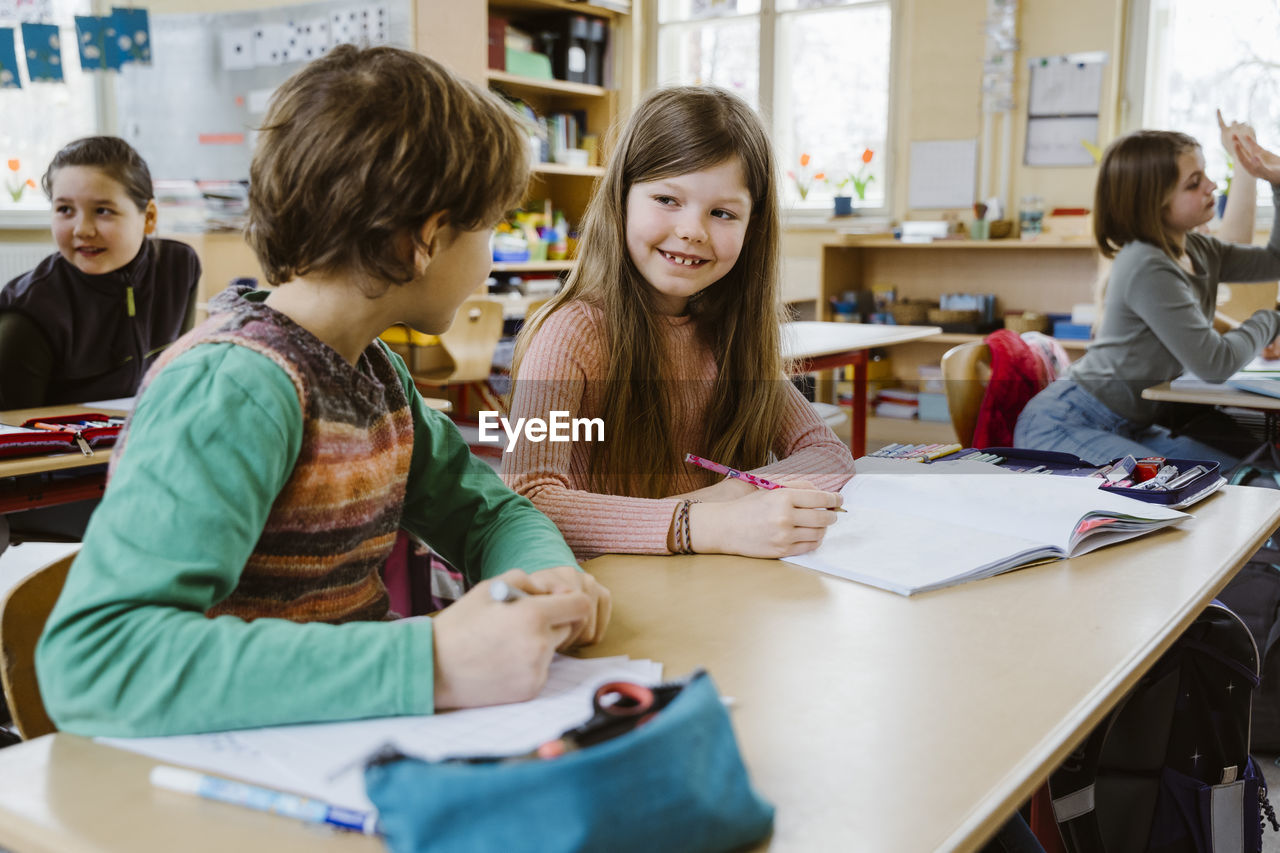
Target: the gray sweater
pixel 1158 320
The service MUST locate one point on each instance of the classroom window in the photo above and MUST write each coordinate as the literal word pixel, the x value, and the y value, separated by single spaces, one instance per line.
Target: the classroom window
pixel 43 117
pixel 819 68
pixel 1199 59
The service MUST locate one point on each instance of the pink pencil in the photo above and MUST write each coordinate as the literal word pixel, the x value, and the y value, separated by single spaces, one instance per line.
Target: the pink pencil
pixel 758 482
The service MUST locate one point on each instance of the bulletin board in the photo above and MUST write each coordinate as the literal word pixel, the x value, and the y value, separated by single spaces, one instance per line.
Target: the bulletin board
pixel 192 113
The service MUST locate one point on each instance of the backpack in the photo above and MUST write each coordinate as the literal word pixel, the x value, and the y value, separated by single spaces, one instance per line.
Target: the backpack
pixel 1168 770
pixel 1254 594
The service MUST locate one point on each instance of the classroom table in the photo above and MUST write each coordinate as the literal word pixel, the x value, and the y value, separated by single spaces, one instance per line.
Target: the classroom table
pixel 825 346
pixel 22 484
pixel 1212 394
pixel 872 721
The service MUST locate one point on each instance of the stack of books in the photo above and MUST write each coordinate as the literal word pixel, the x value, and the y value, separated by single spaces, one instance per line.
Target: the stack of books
pixel 896 403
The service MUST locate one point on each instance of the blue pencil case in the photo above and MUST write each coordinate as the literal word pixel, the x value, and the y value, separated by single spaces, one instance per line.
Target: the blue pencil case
pixel 1073 466
pixel 675 783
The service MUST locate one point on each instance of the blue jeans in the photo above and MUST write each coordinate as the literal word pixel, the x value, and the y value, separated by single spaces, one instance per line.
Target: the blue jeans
pixel 1067 418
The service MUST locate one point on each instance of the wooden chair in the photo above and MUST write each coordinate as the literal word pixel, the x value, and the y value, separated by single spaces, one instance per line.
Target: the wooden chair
pixel 461 357
pixel 22 618
pixel 966 370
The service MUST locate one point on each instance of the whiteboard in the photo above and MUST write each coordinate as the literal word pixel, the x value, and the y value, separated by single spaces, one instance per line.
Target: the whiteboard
pixel 191 114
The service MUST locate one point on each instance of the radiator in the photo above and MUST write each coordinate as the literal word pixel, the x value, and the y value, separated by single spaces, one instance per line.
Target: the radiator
pixel 17 258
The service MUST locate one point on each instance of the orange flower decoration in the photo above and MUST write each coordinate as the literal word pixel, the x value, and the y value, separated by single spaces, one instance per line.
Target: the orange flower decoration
pixel 804 161
pixel 31 183
pixel 867 155
pixel 804 180
pixel 14 165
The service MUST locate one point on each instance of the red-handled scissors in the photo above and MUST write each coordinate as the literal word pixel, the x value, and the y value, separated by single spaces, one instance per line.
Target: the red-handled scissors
pixel 620 706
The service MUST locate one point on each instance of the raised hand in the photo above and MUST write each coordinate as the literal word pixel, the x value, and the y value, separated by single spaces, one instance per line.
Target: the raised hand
pixel 1256 160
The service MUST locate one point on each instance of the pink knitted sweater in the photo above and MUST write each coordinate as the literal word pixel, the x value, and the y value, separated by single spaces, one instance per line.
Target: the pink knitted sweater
pixel 564 370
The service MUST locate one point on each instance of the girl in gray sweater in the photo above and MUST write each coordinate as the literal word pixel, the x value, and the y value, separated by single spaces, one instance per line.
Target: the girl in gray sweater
pixel 1158 313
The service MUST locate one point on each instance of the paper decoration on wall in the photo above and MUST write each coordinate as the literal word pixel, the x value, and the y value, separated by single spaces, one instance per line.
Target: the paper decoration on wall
pixel 9 78
pixel 237 49
pixel 42 46
pixel 128 37
pixel 91 38
pixel 269 41
pixel 364 26
pixel 113 41
pixel 308 40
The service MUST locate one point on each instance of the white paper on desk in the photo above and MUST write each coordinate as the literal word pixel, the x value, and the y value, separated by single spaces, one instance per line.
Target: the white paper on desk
pixel 1260 376
pixel 123 403
pixel 913 534
pixel 325 761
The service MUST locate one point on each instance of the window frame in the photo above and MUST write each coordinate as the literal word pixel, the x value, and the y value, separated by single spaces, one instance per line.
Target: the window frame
pixel 811 214
pixel 1133 97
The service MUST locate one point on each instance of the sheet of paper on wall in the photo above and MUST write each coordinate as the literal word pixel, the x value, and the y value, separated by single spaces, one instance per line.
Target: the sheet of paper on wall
pixel 1059 141
pixel 1068 85
pixel 326 760
pixel 1063 102
pixel 943 174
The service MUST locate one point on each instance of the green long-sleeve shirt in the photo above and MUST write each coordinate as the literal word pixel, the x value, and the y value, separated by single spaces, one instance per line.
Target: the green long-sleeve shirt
pixel 128 650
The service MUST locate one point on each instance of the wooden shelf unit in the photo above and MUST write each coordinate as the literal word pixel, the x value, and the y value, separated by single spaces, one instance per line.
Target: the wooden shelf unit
pixel 1045 276
pixel 568 187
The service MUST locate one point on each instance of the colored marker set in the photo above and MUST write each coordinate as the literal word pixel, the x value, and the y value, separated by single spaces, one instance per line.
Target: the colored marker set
pixel 1151 473
pixel 54 434
pixel 932 452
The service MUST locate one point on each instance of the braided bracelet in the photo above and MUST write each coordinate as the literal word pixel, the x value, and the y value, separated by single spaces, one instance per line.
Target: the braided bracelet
pixel 683 534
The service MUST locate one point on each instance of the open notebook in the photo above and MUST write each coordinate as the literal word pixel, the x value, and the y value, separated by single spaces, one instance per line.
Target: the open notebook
pixel 912 534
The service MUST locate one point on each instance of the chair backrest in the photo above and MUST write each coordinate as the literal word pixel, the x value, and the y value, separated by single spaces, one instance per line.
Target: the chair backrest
pixel 966 370
pixel 22 618
pixel 470 343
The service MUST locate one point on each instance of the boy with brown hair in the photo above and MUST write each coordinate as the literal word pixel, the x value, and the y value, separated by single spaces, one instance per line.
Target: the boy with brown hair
pixel 276 448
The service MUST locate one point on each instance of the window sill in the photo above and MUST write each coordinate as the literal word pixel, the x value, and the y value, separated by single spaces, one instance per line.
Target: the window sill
pixel 22 217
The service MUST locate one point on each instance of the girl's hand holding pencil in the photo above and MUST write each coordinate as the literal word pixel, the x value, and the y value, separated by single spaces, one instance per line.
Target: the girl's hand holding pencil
pixel 772 520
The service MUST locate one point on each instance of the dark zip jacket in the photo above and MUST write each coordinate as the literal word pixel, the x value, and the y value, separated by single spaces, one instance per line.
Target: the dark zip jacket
pixel 70 337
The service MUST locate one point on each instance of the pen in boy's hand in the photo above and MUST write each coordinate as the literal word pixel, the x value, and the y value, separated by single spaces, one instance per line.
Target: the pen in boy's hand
pixel 758 482
pixel 503 591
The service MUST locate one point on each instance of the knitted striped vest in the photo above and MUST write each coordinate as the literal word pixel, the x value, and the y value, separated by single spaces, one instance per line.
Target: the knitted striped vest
pixel 334 522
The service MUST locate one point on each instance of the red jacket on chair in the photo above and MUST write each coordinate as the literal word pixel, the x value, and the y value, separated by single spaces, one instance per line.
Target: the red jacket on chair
pixel 1017 375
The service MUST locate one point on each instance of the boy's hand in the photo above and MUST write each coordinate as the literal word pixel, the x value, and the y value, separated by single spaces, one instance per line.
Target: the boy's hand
pixel 765 523
pixel 1272 350
pixel 492 652
pixel 571 579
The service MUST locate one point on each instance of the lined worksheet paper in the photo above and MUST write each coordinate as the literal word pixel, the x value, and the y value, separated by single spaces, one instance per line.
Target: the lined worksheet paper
pixel 326 760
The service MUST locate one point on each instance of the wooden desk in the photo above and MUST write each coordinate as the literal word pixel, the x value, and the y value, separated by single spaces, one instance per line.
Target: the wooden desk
pixel 1225 395
pixel 874 722
pixel 29 491
pixel 823 346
